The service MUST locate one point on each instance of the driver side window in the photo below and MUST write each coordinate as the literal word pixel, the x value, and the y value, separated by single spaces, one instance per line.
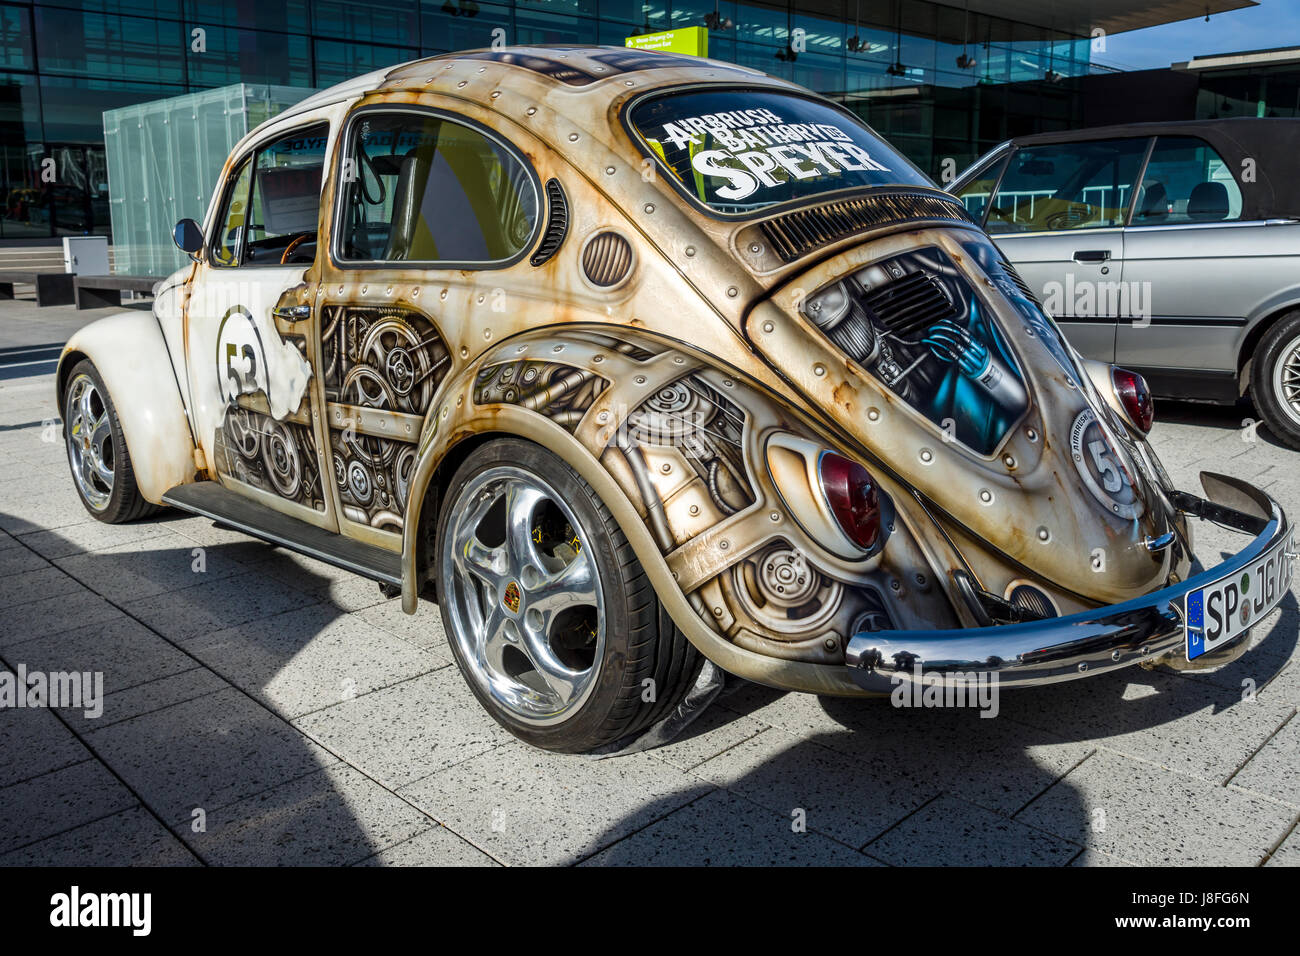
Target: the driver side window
pixel 1085 185
pixel 272 210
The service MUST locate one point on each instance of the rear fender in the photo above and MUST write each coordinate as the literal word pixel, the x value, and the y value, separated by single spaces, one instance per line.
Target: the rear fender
pixel 131 356
pixel 692 491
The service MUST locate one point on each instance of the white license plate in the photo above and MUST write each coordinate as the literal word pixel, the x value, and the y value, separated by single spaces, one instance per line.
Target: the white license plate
pixel 1219 612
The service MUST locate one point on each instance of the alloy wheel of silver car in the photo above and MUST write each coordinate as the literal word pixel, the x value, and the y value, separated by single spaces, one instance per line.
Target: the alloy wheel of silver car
pixel 522 595
pixel 1286 379
pixel 91 451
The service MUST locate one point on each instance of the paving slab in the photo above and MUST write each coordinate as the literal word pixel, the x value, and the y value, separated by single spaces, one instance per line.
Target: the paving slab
pixel 33 742
pixel 721 829
pixel 59 801
pixel 953 832
pixel 404 732
pixel 206 753
pixel 217 604
pixel 310 659
pixel 436 846
pixel 333 817
pixel 1149 815
pixel 523 806
pixel 1275 770
pixel 131 838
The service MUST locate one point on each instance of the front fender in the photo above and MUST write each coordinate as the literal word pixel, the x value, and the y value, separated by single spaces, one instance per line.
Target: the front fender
pixel 131 356
pixel 695 506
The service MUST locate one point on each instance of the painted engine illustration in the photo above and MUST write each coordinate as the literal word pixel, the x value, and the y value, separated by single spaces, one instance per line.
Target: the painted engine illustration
pixel 388 362
pixel 561 392
pixel 277 456
pixel 914 322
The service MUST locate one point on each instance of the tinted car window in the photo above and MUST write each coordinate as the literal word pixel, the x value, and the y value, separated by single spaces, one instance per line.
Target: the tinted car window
pixel 736 151
pixel 230 229
pixel 1067 186
pixel 427 189
pixel 1186 181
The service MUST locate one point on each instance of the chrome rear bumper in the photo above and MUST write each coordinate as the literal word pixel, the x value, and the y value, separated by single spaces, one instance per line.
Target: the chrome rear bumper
pixel 1080 645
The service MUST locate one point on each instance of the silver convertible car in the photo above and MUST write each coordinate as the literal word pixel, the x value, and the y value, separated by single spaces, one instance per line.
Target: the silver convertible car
pixel 1168 248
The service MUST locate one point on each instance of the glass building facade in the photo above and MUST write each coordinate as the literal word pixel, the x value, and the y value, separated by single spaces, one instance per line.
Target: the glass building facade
pixel 64 62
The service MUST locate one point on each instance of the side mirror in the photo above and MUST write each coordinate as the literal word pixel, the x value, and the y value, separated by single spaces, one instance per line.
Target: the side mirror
pixel 189 237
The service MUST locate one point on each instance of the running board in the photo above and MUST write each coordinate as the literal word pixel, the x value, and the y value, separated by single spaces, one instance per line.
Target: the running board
pixel 229 508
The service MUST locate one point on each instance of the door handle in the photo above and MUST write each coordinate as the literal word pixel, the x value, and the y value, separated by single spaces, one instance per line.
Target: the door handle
pixel 1092 255
pixel 294 313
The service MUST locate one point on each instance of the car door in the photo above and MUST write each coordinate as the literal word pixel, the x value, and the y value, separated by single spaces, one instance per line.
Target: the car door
pixel 1058 215
pixel 1196 269
pixel 435 203
pixel 248 354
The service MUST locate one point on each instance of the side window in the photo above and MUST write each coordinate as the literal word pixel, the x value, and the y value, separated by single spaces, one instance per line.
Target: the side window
pixel 274 203
pixel 977 192
pixel 1186 181
pixel 230 229
pixel 1067 186
pixel 421 188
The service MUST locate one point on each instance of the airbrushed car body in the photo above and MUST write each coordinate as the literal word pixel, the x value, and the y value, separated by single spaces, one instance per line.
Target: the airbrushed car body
pixel 693 365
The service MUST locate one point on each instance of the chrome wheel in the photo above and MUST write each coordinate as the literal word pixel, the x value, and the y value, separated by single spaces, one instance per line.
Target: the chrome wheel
pixel 522 595
pixel 89 433
pixel 1286 379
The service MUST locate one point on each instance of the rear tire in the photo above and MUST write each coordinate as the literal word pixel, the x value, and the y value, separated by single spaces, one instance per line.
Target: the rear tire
pixel 1275 379
pixel 101 466
pixel 556 628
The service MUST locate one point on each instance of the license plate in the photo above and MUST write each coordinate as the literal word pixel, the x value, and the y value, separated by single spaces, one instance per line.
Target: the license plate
pixel 1219 612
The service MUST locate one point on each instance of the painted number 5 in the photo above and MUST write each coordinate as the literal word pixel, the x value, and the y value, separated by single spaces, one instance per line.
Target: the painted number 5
pixel 1111 478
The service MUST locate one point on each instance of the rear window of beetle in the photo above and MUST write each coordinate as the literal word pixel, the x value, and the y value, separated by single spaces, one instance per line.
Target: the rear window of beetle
pixel 738 151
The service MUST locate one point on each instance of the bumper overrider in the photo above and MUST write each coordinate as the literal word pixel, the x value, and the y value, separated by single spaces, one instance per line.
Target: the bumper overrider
pixel 1083 644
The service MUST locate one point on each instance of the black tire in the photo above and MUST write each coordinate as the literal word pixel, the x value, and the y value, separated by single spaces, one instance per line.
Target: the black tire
pixel 641 642
pixel 125 502
pixel 1280 342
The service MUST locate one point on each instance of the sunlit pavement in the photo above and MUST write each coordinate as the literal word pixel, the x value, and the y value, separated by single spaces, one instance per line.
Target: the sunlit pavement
pixel 261 707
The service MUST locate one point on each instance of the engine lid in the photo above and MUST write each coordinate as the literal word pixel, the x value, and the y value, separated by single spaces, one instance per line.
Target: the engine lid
pixel 926 348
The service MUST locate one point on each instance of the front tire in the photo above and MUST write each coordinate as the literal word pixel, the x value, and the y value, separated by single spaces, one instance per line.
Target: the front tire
pixel 551 618
pixel 1275 379
pixel 101 466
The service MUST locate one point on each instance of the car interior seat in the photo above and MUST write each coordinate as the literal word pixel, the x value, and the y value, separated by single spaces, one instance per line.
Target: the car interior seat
pixel 407 196
pixel 1208 202
pixel 1154 205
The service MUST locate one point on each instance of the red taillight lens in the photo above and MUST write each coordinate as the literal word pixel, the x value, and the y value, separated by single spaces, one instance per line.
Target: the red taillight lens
pixel 851 493
pixel 1135 396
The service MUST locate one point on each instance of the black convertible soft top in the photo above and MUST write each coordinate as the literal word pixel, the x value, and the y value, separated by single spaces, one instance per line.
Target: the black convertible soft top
pixel 1269 143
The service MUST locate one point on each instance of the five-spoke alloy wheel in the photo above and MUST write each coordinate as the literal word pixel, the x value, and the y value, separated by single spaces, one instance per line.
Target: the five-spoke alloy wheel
pixel 549 614
pixel 97 455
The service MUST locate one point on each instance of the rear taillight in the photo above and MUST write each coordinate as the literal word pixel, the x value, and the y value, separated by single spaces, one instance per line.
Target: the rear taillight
pixel 1135 396
pixel 851 494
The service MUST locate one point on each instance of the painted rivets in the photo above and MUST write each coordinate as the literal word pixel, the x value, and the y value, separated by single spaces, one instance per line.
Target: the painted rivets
pixel 819 370
pixel 1044 534
pixel 830 643
pixel 415 293
pixel 464 352
pixel 694 510
pixel 1009 461
pixel 487 334
pixel 558 348
pixel 462 84
pixel 775 516
pixel 873 414
pixel 927 456
pixel 640 379
pixel 679 360
pixel 442 294
pixel 609 170
pixel 364 288
pixel 768 327
pixel 531 110
pixel 986 496
pixel 724 545
pixel 690 252
pixel 732 292
pixel 649 207
pixel 340 290
pixel 602 417
pixel 1031 434
pixel 598 359
pixel 520 350
pixel 388 291
pixel 727 383
pixel 666 468
pixel 755 248
pixel 495 94
pixel 573 137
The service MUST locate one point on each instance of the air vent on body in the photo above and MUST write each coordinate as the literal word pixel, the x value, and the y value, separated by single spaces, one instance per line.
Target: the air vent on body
pixel 798 233
pixel 607 259
pixel 1021 284
pixel 910 304
pixel 557 222
pixel 1031 599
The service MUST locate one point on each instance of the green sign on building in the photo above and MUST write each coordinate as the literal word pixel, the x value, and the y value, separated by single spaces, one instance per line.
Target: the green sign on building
pixel 693 41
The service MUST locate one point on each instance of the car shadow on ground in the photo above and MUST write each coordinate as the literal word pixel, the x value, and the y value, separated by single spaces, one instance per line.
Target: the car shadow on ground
pixel 209 753
pixel 1238 417
pixel 943 786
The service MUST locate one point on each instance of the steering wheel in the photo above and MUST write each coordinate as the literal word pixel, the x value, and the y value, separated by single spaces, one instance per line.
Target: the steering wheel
pixel 288 250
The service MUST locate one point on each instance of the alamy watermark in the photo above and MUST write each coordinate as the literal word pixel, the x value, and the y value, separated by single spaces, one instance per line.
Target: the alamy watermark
pixel 73 690
pixel 949 689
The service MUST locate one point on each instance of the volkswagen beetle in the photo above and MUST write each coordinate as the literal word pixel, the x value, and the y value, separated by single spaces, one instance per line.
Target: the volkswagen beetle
pixel 632 361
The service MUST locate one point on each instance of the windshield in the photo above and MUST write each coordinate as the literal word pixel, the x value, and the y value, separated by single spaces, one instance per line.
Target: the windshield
pixel 738 150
